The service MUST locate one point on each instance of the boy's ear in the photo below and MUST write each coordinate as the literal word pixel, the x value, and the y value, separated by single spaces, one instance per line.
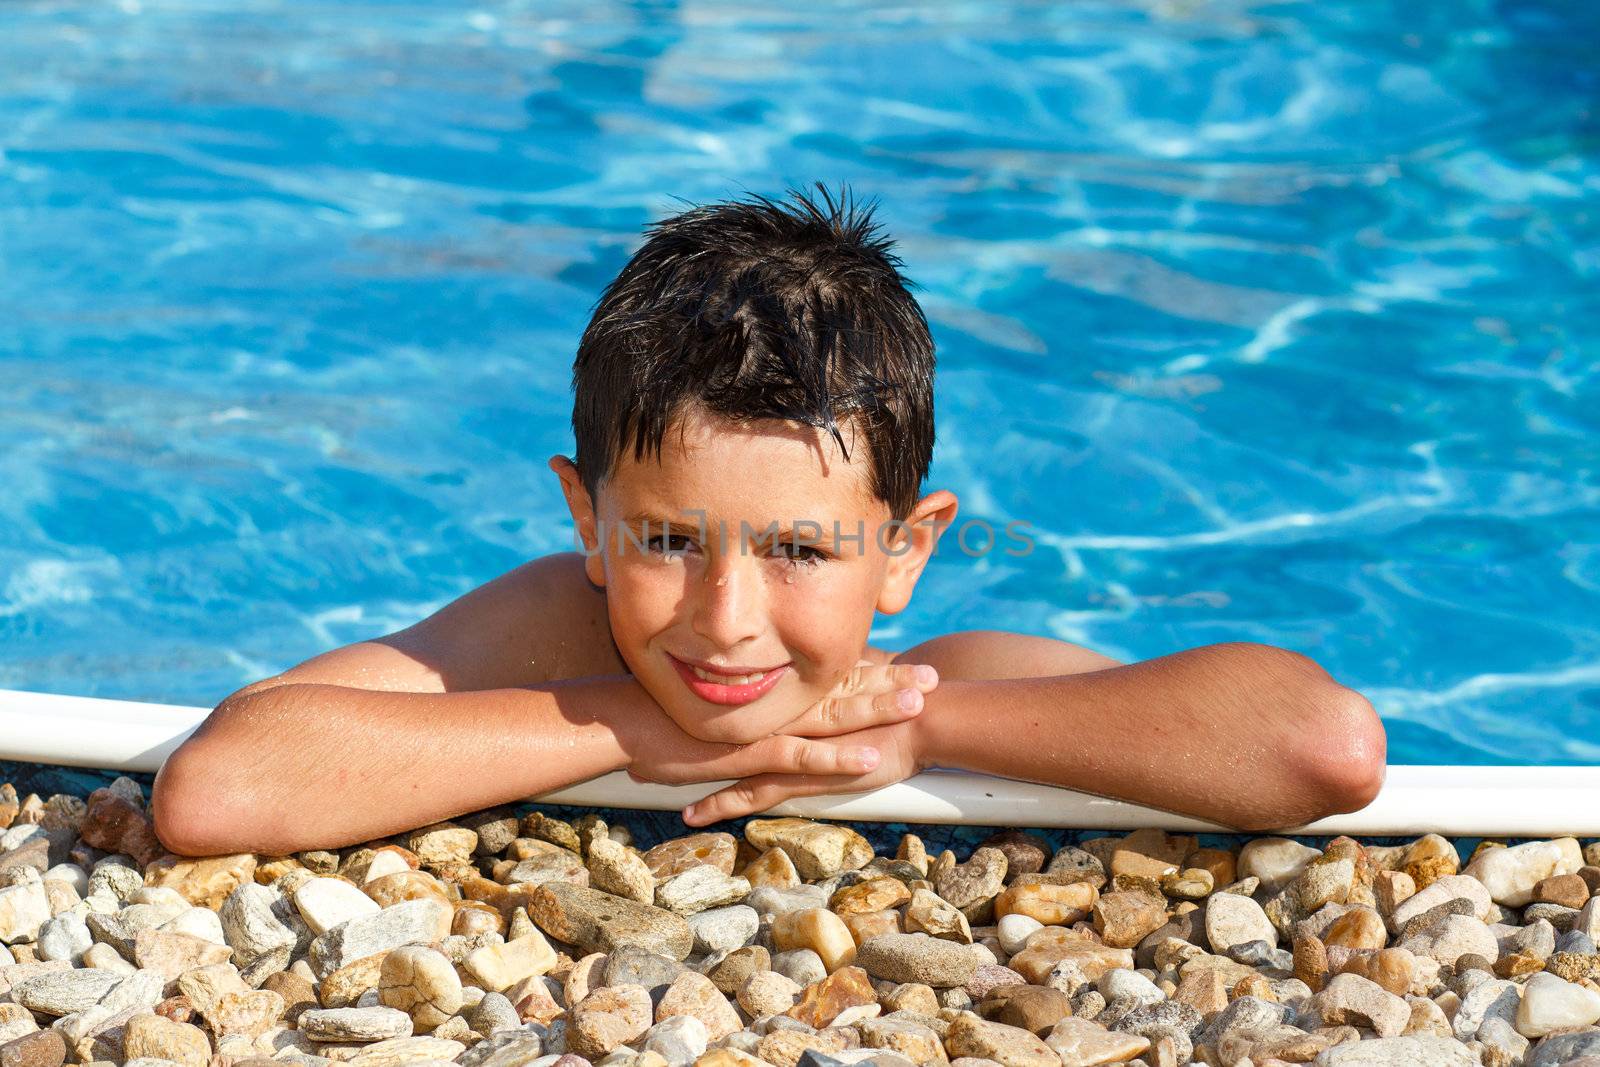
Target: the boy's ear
pixel 913 546
pixel 581 506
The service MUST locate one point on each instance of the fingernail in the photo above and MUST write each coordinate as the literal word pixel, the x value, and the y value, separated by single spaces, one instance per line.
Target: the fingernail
pixel 688 813
pixel 927 675
pixel 907 698
pixel 867 757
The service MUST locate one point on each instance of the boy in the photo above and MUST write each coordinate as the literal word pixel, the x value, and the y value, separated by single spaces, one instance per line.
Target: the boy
pixel 754 419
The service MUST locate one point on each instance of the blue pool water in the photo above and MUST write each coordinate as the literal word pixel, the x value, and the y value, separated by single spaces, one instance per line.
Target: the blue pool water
pixel 1276 322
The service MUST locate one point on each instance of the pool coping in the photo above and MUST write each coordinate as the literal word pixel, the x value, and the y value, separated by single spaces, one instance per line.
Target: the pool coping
pixel 82 731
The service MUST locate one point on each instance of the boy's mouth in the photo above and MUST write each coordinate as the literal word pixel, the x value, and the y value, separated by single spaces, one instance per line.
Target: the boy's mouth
pixel 724 686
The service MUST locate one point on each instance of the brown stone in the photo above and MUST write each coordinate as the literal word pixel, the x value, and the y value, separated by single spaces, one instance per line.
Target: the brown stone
pixel 473 917
pixel 1025 853
pixel 343 987
pixel 205 883
pixel 674 857
pixel 1033 1008
pixel 865 925
pixel 1311 962
pixel 1050 946
pixel 1568 890
pixel 112 823
pixel 1253 985
pixel 1430 858
pixel 1011 1046
pixel 772 868
pixel 1123 919
pixel 692 993
pixel 821 1002
pixel 296 990
pixel 171 953
pixel 975 881
pixel 1391 968
pixel 42 1048
pixel 401 886
pixel 1222 864
pixel 875 894
pixel 1203 990
pixel 160 1038
pixel 608 1018
pixel 783 1048
pixel 1150 853
pixel 737 966
pixel 1053 905
pixel 1358 928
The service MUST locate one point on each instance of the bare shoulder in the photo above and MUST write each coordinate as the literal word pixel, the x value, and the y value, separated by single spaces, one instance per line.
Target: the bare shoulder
pixel 991 655
pixel 539 622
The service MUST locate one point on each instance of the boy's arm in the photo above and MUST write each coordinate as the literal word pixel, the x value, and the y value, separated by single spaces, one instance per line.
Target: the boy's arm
pixel 1246 735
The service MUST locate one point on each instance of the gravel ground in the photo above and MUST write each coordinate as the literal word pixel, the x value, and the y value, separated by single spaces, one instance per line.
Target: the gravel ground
pixel 567 937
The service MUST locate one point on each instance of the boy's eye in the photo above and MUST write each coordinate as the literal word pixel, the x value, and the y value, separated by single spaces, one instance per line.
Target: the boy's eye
pixel 669 544
pixel 798 553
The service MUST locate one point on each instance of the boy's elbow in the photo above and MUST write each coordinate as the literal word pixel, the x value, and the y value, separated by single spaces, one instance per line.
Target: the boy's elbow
pixel 1346 755
pixel 187 808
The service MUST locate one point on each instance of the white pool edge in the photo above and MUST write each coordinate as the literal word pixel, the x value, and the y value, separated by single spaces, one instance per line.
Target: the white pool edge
pixel 79 731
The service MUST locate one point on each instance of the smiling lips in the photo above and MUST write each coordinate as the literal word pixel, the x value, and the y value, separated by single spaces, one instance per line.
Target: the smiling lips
pixel 723 687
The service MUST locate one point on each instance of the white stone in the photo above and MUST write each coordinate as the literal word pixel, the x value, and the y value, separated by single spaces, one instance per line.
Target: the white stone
pixel 724 929
pixel 1418 1051
pixel 1550 1003
pixel 680 1039
pixel 1453 937
pixel 201 922
pixel 1232 919
pixel 326 902
pixel 1277 861
pixel 72 874
pixel 384 863
pixel 24 909
pixel 1511 873
pixel 1121 982
pixel 1444 889
pixel 1014 931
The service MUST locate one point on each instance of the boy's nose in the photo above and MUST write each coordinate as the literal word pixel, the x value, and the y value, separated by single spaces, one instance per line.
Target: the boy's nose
pixel 728 606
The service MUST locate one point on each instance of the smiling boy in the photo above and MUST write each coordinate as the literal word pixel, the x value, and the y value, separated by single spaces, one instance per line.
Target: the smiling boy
pixel 754 420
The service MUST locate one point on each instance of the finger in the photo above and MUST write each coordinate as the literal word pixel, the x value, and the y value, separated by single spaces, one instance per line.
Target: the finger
pixel 922 677
pixel 756 794
pixel 798 755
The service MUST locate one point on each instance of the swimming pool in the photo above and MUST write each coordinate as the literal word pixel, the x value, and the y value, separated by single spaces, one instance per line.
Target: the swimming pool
pixel 1274 322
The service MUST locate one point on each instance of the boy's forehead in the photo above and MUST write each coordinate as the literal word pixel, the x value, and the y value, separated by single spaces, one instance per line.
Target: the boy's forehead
pixel 707 462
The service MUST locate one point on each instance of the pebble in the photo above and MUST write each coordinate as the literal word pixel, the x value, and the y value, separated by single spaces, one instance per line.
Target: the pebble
pixel 724 928
pixel 1510 874
pixel 599 922
pixel 795 945
pixel 355 1024
pixel 700 888
pixel 917 958
pixel 1276 861
pixel 1232 919
pixel 819 930
pixel 421 982
pixel 1550 1004
pixel 818 850
pixel 607 1018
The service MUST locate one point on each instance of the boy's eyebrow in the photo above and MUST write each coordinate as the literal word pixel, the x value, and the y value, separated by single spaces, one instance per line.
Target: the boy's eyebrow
pixel 812 528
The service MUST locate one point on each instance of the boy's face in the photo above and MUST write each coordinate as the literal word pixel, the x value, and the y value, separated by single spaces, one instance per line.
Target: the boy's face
pixel 711 588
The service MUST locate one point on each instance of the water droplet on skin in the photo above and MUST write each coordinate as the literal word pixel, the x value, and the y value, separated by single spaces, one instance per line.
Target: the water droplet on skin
pixel 723 580
pixel 788 579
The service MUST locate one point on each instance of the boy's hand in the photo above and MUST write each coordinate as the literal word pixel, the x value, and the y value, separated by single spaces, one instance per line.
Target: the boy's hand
pixel 869 694
pixel 898 746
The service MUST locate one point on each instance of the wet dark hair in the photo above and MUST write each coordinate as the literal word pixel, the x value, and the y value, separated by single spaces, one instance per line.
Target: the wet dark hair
pixel 761 309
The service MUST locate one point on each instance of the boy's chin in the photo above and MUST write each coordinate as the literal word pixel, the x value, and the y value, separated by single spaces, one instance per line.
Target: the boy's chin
pixel 736 725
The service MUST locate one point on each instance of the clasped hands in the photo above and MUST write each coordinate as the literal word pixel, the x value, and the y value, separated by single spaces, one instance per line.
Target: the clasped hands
pixel 857 738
